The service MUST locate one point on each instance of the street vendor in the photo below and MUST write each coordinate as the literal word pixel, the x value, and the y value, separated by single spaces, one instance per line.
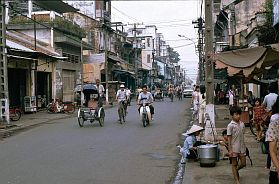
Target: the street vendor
pixel 191 143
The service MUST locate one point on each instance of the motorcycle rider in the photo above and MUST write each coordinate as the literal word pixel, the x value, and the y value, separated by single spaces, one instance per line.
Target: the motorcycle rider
pixel 146 96
pixel 121 96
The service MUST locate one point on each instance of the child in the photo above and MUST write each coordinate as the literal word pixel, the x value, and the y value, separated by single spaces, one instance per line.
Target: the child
pixel 258 111
pixel 237 148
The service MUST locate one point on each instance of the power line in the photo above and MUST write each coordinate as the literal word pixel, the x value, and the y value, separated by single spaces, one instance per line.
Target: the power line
pixel 131 18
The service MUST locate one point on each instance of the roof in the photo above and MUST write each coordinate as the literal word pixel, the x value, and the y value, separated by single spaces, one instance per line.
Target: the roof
pixel 25 43
pixel 17 46
pixel 55 5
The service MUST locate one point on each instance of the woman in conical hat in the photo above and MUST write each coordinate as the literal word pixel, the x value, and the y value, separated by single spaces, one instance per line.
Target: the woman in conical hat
pixel 191 143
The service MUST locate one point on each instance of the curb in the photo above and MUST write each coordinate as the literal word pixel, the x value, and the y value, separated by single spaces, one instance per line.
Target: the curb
pixel 8 132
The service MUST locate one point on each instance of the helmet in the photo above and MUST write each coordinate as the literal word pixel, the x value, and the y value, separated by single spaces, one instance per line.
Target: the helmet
pixel 122 86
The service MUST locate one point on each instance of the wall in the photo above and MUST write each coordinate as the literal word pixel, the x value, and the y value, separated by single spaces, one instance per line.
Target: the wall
pixel 246 10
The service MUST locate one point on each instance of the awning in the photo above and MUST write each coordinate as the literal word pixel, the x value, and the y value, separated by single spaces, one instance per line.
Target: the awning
pixel 247 61
pixel 55 5
pixel 124 72
pixel 115 58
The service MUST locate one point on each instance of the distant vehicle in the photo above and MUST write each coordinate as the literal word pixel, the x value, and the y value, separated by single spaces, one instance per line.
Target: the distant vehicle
pixel 187 92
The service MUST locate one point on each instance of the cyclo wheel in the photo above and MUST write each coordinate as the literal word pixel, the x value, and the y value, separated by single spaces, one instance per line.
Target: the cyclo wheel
pixel 102 117
pixel 80 118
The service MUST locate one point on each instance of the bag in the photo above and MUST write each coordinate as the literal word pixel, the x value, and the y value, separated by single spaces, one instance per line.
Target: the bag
pixel 266 116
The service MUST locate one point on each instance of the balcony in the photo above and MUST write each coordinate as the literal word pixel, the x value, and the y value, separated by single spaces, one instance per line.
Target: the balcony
pixel 60 24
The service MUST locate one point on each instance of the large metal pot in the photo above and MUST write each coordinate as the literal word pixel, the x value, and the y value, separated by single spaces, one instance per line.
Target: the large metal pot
pixel 207 154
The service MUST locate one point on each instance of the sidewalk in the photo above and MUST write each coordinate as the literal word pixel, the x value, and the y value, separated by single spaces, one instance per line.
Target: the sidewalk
pixel 221 173
pixel 34 119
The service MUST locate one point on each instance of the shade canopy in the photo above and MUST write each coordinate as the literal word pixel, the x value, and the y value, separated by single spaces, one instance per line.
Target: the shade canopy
pixel 248 61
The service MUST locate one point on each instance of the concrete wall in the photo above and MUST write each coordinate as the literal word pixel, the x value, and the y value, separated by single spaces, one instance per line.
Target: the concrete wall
pixel 246 10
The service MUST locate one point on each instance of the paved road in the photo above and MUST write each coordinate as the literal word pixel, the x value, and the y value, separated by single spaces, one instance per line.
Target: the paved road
pixel 63 153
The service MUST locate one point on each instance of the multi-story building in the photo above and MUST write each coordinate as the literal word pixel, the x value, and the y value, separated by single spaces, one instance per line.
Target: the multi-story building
pixel 34 22
pixel 246 27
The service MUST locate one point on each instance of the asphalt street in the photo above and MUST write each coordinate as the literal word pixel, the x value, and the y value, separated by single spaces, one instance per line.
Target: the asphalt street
pixel 60 152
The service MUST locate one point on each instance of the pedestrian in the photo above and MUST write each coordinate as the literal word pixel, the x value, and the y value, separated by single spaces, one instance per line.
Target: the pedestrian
pixel 270 99
pixel 268 102
pixel 221 97
pixel 231 94
pixel 237 148
pixel 272 136
pixel 101 90
pixel 202 104
pixel 251 98
pixel 258 112
pixel 195 103
pixel 189 150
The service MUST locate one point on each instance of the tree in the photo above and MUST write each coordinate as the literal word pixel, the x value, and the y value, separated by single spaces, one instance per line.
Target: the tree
pixel 173 55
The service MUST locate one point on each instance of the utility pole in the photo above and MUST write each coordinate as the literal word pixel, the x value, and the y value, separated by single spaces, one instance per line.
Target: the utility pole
pixel 4 93
pixel 106 64
pixel 81 73
pixel 136 55
pixel 209 74
pixel 200 27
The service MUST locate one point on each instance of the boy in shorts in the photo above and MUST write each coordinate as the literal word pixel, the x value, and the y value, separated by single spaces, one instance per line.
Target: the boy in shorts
pixel 237 148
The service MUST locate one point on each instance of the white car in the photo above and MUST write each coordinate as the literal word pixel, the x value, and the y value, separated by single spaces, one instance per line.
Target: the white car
pixel 187 92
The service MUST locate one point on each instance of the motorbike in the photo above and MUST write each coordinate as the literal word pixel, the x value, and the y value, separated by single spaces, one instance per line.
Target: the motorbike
pixel 145 114
pixel 66 107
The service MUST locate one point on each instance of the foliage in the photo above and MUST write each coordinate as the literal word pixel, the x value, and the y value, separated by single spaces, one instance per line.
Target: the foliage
pixel 59 23
pixel 173 55
pixel 267 33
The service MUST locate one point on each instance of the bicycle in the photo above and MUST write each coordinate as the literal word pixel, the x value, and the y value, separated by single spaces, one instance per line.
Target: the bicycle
pixel 15 113
pixel 122 111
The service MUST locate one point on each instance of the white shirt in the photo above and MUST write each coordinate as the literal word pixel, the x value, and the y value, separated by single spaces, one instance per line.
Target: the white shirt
pixel 101 89
pixel 147 98
pixel 269 100
pixel 128 92
pixel 121 95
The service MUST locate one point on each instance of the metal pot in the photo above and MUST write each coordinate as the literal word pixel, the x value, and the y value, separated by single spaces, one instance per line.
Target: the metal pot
pixel 207 154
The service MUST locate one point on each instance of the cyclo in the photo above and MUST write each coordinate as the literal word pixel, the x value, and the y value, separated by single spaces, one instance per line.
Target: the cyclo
pixel 93 107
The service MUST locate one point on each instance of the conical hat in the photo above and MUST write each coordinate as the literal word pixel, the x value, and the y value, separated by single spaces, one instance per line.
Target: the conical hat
pixel 193 129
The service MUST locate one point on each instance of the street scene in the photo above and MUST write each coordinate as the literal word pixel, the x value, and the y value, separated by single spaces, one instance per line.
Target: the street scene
pixel 102 91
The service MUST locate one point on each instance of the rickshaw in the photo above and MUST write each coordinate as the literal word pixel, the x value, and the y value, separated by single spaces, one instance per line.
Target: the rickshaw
pixel 92 109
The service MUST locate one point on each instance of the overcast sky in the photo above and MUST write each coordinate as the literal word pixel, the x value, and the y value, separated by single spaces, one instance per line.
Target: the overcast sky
pixel 171 18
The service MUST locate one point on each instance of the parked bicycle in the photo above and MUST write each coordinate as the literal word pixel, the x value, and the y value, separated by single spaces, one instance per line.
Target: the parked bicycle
pixel 61 107
pixel 15 113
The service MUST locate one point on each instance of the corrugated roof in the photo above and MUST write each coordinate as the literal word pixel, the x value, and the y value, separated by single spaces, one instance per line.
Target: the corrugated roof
pixel 17 46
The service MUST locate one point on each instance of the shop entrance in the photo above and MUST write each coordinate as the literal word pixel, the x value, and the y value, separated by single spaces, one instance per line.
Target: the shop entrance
pixel 17 86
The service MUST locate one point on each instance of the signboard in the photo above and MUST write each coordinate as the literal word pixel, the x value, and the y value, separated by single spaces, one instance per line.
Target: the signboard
pixel 95 58
pixel 275 12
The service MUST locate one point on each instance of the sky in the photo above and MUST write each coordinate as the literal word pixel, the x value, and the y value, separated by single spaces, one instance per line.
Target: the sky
pixel 171 18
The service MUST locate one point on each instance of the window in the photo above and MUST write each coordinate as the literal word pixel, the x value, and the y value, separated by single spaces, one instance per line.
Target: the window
pixel 148 58
pixel 148 42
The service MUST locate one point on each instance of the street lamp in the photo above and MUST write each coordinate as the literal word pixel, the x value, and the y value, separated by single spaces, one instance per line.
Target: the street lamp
pixel 189 40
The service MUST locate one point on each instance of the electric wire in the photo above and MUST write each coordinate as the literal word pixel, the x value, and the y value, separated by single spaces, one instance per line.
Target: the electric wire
pixel 131 18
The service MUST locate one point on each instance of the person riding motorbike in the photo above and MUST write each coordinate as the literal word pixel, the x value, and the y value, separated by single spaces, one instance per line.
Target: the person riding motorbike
pixel 121 96
pixel 146 97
